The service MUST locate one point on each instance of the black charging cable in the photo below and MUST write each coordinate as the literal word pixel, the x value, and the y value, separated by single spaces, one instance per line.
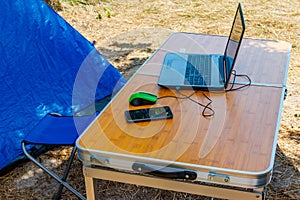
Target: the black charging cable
pixel 207 110
pixel 235 75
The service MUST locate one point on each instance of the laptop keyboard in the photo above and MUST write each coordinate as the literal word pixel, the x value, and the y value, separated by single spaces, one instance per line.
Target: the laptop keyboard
pixel 198 71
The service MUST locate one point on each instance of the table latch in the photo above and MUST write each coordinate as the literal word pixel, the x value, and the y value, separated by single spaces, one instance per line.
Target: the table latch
pixel 212 176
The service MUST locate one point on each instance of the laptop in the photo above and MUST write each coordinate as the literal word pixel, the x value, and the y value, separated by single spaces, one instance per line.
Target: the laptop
pixel 204 71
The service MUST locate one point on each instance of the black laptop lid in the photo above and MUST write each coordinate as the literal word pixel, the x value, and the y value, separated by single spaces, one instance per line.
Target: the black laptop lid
pixel 234 42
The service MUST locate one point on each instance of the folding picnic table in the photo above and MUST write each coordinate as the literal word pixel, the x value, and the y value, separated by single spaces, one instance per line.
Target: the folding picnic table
pixel 229 155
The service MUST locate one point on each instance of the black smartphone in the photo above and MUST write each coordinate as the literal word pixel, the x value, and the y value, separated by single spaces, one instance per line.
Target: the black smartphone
pixel 148 114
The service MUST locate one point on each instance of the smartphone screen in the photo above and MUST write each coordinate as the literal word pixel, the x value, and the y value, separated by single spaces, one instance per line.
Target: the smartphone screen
pixel 148 114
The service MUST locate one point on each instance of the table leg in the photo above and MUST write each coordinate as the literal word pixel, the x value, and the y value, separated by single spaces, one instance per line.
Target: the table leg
pixel 89 184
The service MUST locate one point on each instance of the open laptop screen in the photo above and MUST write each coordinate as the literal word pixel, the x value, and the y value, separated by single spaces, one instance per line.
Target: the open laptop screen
pixel 234 41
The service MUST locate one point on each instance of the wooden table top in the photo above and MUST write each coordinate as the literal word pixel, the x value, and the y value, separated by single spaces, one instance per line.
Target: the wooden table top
pixel 265 61
pixel 241 135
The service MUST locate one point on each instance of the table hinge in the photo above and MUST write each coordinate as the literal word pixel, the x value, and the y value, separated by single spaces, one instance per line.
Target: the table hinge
pixel 212 176
pixel 99 160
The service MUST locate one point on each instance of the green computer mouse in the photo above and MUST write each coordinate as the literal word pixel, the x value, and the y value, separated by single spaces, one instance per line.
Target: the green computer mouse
pixel 142 98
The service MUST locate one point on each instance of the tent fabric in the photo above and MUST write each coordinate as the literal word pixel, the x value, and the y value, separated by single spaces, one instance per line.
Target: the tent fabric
pixel 45 66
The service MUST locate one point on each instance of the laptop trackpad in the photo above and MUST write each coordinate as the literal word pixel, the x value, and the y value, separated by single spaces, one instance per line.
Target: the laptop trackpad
pixel 173 72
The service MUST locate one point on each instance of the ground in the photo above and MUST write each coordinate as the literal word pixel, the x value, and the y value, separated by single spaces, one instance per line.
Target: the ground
pixel 127 32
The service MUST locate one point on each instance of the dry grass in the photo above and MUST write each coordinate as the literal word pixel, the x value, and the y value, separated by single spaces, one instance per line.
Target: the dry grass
pixel 128 35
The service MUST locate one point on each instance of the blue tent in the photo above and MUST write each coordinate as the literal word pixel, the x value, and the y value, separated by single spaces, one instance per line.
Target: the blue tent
pixel 45 66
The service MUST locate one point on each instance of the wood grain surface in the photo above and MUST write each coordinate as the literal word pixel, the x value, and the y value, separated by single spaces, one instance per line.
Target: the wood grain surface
pixel 241 134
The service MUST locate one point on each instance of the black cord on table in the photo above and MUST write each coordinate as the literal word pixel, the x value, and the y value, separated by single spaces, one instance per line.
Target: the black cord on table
pixel 207 110
pixel 235 75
